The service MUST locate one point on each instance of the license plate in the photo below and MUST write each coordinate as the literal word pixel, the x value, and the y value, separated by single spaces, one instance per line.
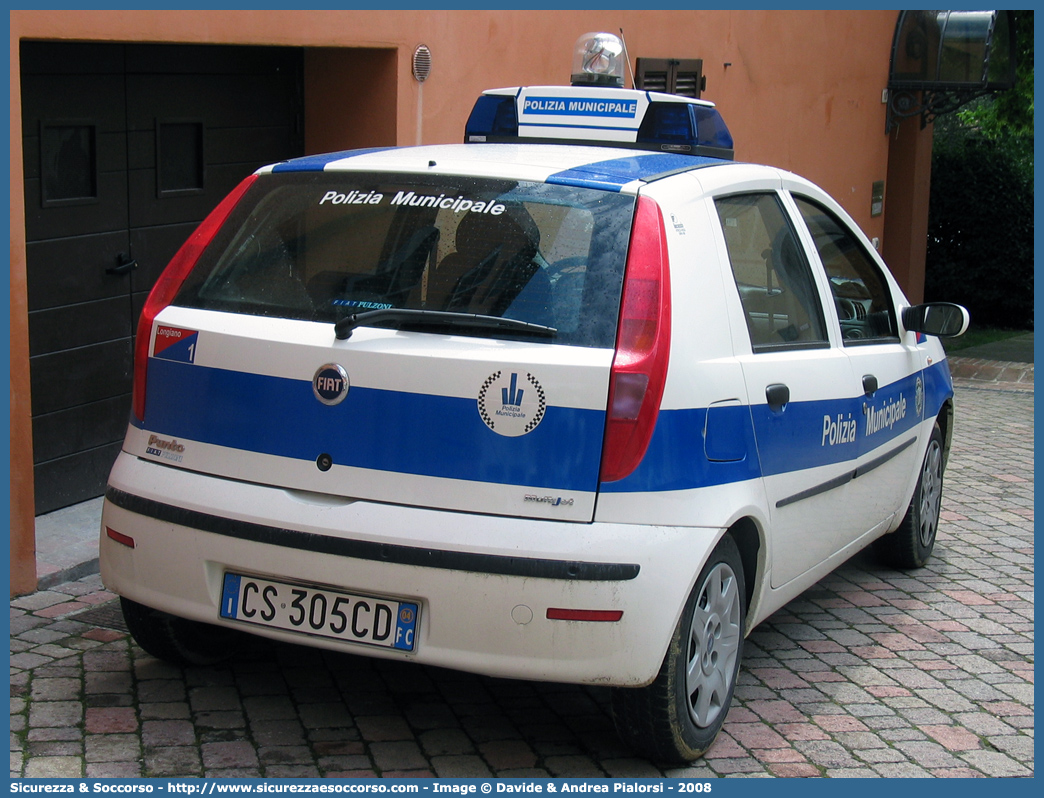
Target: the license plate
pixel 320 611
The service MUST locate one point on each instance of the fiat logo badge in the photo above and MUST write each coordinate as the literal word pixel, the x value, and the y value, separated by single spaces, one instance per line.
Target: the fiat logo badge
pixel 330 384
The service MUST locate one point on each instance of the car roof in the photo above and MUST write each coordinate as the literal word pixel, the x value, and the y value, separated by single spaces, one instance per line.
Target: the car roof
pixel 605 168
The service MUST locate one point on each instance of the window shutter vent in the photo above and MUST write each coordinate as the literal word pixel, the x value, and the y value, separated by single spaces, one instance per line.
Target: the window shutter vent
pixel 682 76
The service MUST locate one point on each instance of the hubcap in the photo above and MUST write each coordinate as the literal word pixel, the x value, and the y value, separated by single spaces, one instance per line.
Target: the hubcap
pixel 714 641
pixel 931 493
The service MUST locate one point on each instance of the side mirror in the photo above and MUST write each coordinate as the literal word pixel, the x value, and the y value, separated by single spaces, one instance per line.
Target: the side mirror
pixel 941 319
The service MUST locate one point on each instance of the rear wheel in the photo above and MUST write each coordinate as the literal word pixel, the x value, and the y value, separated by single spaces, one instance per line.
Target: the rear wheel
pixel 677 717
pixel 177 640
pixel 912 543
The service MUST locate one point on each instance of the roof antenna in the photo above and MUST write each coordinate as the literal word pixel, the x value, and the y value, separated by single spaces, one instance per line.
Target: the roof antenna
pixel 627 58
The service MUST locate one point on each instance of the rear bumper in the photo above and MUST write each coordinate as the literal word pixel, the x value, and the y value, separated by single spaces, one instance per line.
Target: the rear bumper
pixel 483 583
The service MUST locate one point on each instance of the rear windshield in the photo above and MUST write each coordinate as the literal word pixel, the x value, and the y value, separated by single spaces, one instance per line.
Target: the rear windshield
pixel 322 246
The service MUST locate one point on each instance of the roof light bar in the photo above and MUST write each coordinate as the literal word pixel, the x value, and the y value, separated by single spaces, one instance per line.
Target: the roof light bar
pixel 600 115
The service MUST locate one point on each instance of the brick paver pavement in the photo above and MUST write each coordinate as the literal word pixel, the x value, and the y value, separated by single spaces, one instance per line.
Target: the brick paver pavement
pixel 872 672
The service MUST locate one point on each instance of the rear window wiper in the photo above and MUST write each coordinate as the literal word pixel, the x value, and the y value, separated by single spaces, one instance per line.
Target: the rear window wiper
pixel 440 319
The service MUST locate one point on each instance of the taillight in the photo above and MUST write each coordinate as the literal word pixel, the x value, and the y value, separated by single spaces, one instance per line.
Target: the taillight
pixel 643 342
pixel 169 283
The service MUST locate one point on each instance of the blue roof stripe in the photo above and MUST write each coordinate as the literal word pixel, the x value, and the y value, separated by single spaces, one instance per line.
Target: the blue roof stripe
pixel 317 163
pixel 613 174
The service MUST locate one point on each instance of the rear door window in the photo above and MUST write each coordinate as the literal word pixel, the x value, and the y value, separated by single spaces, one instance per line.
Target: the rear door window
pixel 780 300
pixel 320 246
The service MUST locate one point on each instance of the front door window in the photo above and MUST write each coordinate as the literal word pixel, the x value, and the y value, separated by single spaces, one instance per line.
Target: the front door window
pixel 864 306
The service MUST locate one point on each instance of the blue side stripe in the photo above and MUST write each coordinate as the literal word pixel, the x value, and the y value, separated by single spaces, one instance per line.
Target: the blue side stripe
pixel 676 458
pixel 938 387
pixel 317 163
pixel 435 436
pixel 613 174
pixel 794 440
pixel 444 436
pixel 800 437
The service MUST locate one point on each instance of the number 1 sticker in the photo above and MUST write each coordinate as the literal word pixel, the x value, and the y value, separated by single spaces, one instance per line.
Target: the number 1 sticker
pixel 173 343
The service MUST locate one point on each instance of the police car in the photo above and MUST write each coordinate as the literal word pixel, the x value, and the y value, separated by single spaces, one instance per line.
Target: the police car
pixel 580 399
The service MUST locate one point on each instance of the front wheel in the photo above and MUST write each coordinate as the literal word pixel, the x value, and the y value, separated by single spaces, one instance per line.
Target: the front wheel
pixel 676 718
pixel 912 543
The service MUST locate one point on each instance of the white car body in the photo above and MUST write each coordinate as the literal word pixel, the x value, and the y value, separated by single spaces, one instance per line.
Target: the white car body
pixel 504 549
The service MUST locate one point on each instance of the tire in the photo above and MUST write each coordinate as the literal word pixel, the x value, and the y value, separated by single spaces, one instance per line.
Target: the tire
pixel 911 545
pixel 176 640
pixel 676 718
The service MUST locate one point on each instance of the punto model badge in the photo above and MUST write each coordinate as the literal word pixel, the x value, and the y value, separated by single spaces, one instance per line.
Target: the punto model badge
pixel 330 384
pixel 511 403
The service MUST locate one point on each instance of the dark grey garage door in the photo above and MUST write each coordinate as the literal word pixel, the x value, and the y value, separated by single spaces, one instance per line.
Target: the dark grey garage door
pixel 127 147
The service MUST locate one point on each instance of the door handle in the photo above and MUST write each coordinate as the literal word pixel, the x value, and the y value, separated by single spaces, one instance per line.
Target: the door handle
pixel 777 396
pixel 125 264
pixel 869 384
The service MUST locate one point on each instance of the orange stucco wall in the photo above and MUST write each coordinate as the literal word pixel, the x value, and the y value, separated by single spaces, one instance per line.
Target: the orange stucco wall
pixel 906 225
pixel 803 89
pixel 23 541
pixel 798 89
